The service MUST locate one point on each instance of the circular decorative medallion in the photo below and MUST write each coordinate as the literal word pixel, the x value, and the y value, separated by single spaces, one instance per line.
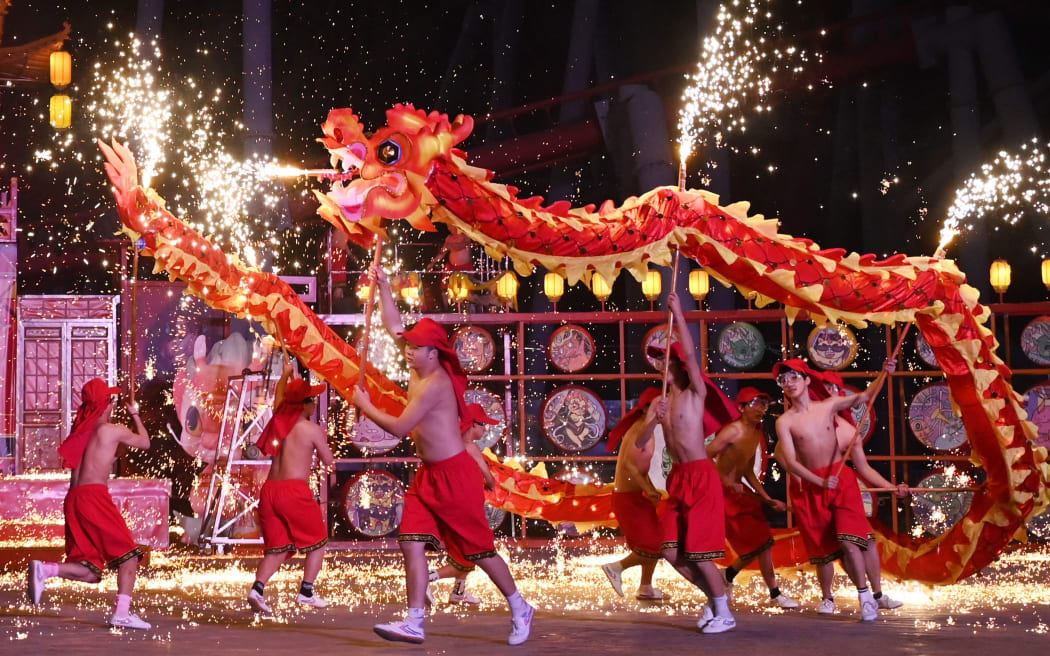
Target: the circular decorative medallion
pixel 573 418
pixel 475 348
pixel 741 345
pixel 933 421
pixel 656 335
pixel 495 516
pixel 861 418
pixel 1035 340
pixel 831 347
pixel 493 406
pixel 926 351
pixel 571 348
pixel 936 512
pixel 370 439
pixel 372 503
pixel 1037 404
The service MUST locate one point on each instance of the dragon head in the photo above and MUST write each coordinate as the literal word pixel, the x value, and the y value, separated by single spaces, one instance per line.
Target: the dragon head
pixel 391 165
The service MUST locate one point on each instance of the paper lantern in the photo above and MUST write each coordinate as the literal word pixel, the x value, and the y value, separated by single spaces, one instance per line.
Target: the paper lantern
pixel 410 288
pixel 600 288
pixel 554 286
pixel 458 287
pixel 507 287
pixel 1000 276
pixel 652 285
pixel 61 111
pixel 1046 273
pixel 699 284
pixel 61 68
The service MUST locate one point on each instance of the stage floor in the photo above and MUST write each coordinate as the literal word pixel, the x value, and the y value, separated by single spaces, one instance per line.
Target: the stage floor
pixel 197 606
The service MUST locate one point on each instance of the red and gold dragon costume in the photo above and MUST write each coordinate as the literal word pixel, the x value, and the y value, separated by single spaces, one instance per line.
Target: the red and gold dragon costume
pixel 411 169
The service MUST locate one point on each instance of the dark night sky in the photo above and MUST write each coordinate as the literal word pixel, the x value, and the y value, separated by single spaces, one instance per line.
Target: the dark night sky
pixel 371 55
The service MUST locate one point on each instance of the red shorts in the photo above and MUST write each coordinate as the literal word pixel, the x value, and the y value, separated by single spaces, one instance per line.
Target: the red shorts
pixel 96 534
pixel 290 517
pixel 638 522
pixel 747 529
pixel 693 520
pixel 826 518
pixel 446 504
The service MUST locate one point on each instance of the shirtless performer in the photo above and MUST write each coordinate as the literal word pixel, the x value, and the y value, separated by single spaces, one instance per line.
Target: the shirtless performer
pixel 456 569
pixel 693 519
pixel 635 498
pixel 747 529
pixel 96 535
pixel 446 497
pixel 828 509
pixel 289 515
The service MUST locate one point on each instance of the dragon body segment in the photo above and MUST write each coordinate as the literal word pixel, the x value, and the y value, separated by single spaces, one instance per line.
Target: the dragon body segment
pixel 411 169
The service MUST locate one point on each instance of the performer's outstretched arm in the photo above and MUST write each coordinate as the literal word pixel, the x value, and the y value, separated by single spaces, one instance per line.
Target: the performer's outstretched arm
pixel 391 317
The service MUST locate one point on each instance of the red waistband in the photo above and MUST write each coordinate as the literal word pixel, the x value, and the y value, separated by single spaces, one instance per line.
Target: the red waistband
pixel 451 461
pixel 699 463
pixel 90 488
pixel 287 482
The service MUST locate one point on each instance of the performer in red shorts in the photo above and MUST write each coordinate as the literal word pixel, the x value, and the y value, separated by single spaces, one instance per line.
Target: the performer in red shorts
pixel 828 508
pixel 635 498
pixel 446 498
pixel 458 569
pixel 693 519
pixel 747 531
pixel 290 517
pixel 97 536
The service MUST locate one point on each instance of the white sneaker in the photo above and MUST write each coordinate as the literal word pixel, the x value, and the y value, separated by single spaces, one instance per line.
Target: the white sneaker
pixel 35 581
pixel 459 594
pixel 403 631
pixel 887 603
pixel 826 607
pixel 787 602
pixel 719 624
pixel 613 575
pixel 129 621
pixel 869 608
pixel 706 615
pixel 317 601
pixel 258 603
pixel 649 593
pixel 520 627
pixel 431 577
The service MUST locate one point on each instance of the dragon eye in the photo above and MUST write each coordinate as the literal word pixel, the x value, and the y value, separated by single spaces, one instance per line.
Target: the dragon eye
pixel 389 152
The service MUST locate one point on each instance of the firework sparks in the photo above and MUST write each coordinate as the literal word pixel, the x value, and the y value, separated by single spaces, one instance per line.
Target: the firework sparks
pixel 1011 185
pixel 734 75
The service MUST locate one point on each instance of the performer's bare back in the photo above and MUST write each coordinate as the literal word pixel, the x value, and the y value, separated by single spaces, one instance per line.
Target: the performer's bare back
pixel 100 454
pixel 625 480
pixel 294 459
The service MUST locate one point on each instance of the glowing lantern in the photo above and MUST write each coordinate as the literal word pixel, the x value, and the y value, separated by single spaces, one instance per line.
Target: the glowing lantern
pixel 554 286
pixel 699 284
pixel 61 111
pixel 1000 277
pixel 507 287
pixel 652 286
pixel 458 287
pixel 364 287
pixel 1046 273
pixel 600 288
pixel 410 288
pixel 61 68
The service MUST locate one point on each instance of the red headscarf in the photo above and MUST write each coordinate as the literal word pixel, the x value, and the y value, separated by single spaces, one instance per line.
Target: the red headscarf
pixel 285 416
pixel 94 399
pixel 429 333
pixel 478 415
pixel 749 394
pixel 818 382
pixel 631 418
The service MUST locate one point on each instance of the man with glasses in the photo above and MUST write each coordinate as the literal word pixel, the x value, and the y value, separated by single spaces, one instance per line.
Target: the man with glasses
pixel 747 530
pixel 97 537
pixel 693 519
pixel 827 507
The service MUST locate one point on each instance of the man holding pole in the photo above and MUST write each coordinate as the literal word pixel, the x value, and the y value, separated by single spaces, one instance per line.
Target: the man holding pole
pixel 97 537
pixel 446 498
pixel 825 496
pixel 693 520
pixel 290 517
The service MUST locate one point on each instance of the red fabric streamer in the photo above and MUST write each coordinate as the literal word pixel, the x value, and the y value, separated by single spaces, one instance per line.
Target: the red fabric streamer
pixel 285 416
pixel 94 399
